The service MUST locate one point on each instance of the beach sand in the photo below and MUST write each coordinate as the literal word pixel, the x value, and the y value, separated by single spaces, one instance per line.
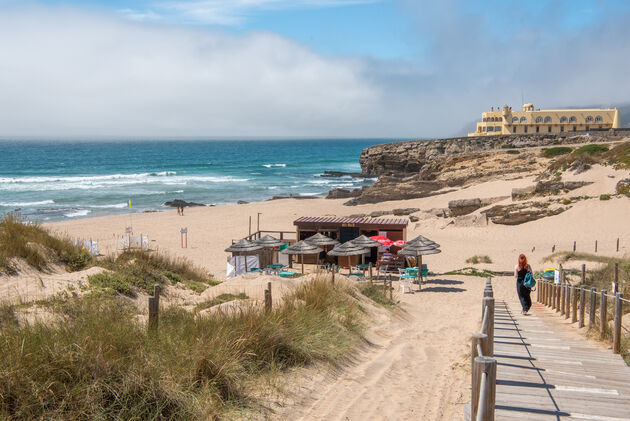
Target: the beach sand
pixel 416 366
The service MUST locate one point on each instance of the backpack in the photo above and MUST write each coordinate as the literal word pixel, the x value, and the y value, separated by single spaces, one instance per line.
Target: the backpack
pixel 529 281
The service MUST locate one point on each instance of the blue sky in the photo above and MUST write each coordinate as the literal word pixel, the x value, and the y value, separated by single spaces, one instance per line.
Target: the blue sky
pixel 302 67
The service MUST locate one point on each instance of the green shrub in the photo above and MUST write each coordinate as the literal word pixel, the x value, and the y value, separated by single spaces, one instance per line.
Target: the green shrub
pixel 556 151
pixel 113 281
pixel 376 294
pixel 604 197
pixel 513 152
pixel 479 259
pixel 220 299
pixel 591 149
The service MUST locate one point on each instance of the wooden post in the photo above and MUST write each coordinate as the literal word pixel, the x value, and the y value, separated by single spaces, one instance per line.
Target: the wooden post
pixel 583 273
pixel 603 308
pixel 574 295
pixel 573 245
pixel 616 283
pixel 385 285
pixel 391 290
pixel 489 303
pixel 591 310
pixel 562 298
pixel 595 246
pixel 487 366
pixel 370 268
pixel 567 296
pixel 268 297
pixel 553 296
pixel 617 243
pixel 553 249
pixel 582 306
pixel 334 269
pixel 480 339
pixel 154 309
pixel 617 327
pixel 250 227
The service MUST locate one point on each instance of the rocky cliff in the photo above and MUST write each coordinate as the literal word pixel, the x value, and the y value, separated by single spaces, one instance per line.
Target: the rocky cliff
pixel 413 157
pixel 421 168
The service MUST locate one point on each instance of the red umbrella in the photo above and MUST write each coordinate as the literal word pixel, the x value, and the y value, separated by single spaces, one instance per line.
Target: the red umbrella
pixel 399 243
pixel 383 240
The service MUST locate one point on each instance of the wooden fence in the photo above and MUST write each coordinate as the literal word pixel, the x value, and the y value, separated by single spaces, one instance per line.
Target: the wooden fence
pixel 484 367
pixel 573 301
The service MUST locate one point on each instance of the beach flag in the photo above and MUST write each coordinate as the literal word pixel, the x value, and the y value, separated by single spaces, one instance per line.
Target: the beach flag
pixel 129 202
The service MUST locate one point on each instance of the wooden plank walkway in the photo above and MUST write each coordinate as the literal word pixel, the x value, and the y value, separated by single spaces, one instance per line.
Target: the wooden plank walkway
pixel 544 373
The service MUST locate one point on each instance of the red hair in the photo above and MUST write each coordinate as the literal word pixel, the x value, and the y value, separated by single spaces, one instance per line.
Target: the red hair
pixel 522 261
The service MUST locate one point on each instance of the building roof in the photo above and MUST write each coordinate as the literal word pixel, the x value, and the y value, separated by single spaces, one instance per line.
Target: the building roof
pixel 314 220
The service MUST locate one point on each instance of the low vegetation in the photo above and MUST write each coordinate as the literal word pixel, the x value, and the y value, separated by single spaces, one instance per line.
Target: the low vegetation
pixel 36 247
pixel 376 293
pixel 479 259
pixel 470 271
pixel 591 149
pixel 513 151
pixel 142 270
pixel 100 363
pixel 618 156
pixel 556 151
pixel 604 197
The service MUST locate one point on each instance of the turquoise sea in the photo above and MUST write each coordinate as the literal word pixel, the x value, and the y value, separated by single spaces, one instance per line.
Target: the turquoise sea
pixel 56 180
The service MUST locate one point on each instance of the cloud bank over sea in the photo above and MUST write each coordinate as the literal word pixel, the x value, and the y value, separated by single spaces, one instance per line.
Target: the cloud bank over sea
pixel 72 72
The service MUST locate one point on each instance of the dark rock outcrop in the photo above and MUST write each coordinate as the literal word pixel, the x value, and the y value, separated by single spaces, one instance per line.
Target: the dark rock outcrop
pixel 404 211
pixel 544 188
pixel 343 193
pixel 395 188
pixel 178 203
pixel 242 202
pixel 517 214
pixel 463 207
pixel 337 174
pixel 377 214
pixel 413 218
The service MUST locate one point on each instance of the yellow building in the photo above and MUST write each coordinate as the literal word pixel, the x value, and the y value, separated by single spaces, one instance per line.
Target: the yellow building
pixel 545 121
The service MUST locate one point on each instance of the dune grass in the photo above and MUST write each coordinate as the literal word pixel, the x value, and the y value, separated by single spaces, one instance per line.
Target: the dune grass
pixel 376 293
pixel 618 156
pixel 99 363
pixel 220 299
pixel 556 151
pixel 142 270
pixel 36 247
pixel 476 259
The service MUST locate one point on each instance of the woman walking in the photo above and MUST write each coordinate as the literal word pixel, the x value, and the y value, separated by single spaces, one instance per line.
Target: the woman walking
pixel 521 269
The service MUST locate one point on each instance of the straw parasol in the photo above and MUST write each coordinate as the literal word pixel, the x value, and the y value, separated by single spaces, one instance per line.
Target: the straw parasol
pixel 363 241
pixel 301 248
pixel 419 247
pixel 320 239
pixel 244 248
pixel 269 242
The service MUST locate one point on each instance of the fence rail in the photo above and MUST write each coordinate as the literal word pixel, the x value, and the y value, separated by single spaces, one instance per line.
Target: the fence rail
pixel 558 297
pixel 484 367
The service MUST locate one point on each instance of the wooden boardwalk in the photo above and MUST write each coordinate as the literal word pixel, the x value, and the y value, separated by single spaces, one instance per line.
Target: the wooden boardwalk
pixel 544 373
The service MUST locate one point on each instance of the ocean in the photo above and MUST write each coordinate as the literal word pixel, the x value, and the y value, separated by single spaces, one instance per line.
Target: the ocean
pixel 57 180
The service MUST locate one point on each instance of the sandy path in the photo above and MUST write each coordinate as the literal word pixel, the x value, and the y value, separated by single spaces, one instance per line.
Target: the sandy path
pixel 417 367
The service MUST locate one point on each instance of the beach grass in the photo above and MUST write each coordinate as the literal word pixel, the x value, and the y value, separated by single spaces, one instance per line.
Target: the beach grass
pixel 37 247
pixel 471 271
pixel 220 299
pixel 143 270
pixel 99 362
pixel 618 156
pixel 376 294
pixel 476 259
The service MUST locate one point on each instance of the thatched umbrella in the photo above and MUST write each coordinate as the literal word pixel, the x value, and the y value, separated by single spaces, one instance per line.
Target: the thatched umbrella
pixel 363 241
pixel 244 248
pixel 320 239
pixel 301 248
pixel 419 248
pixel 423 240
pixel 348 249
pixel 269 242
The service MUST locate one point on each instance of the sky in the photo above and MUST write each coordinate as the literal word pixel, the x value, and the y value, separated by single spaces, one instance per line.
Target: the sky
pixel 300 68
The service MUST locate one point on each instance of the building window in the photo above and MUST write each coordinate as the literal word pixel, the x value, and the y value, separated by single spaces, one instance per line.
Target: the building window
pixel 523 120
pixel 515 120
pixel 599 119
pixel 499 118
pixel 574 128
pixel 547 119
pixel 490 128
pixel 537 129
pixel 587 128
pixel 549 129
pixel 561 128
pixel 538 119
pixel 589 118
pixel 600 127
pixel 514 129
pixel 563 119
pixel 525 129
pixel 572 120
pixel 498 129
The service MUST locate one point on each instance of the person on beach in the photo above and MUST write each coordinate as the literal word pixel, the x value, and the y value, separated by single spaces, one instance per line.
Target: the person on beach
pixel 520 270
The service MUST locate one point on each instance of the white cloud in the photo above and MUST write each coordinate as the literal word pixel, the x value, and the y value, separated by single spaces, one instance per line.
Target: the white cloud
pixel 73 73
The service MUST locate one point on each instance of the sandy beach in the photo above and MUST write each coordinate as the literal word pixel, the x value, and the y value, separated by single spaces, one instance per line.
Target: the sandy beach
pixel 416 366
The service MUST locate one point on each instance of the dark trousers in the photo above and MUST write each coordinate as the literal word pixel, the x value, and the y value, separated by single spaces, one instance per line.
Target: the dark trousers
pixel 523 295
